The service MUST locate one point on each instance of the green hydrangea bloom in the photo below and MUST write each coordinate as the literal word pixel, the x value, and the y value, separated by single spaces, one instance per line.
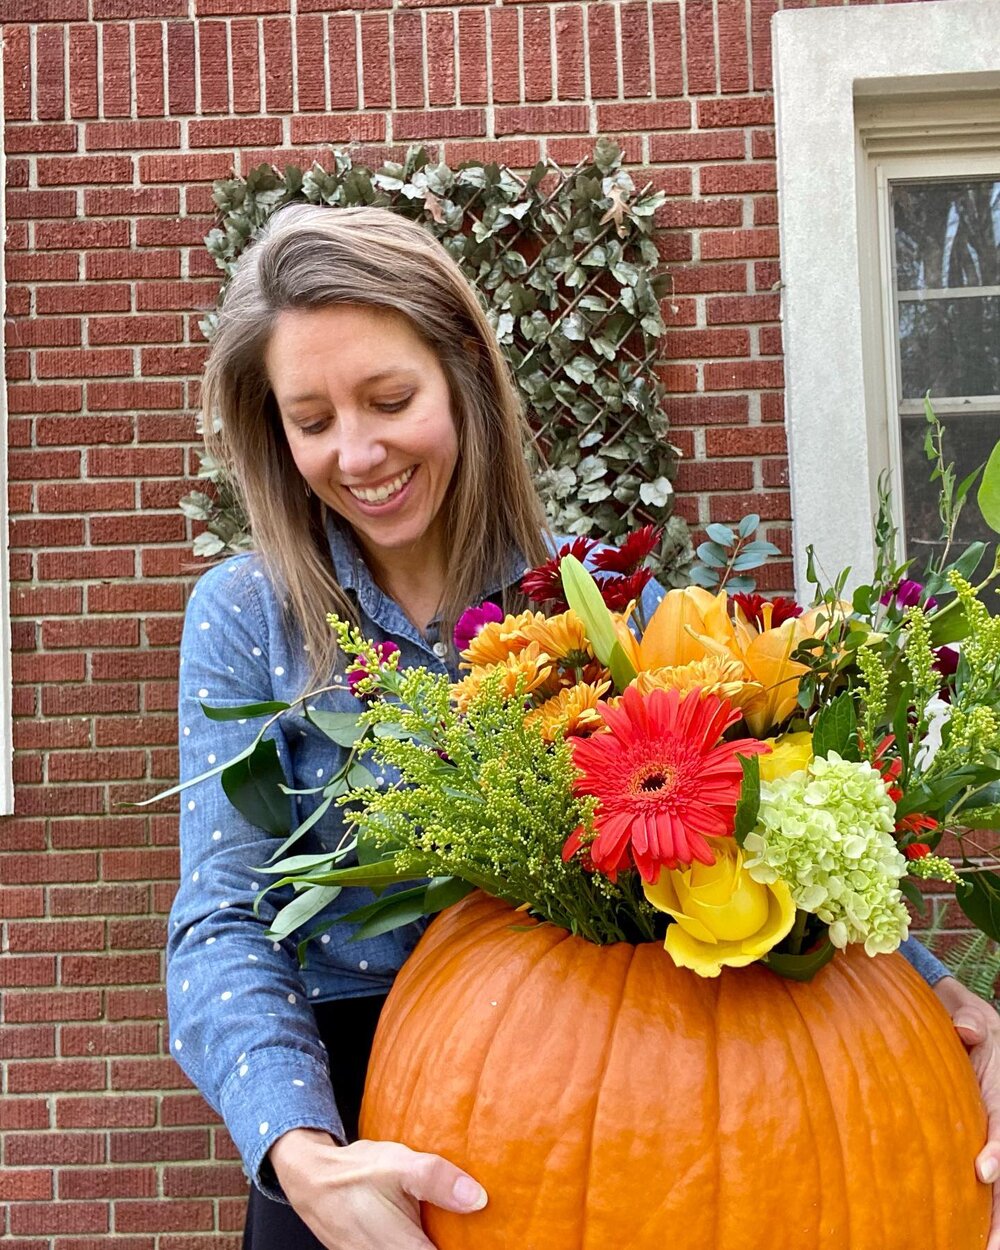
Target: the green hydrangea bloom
pixel 828 833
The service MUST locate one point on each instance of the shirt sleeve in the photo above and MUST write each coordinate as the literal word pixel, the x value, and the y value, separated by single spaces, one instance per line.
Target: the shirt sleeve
pixel 920 958
pixel 239 1023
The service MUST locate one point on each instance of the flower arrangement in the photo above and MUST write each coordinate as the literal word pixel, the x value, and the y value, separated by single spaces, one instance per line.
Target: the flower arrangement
pixel 745 780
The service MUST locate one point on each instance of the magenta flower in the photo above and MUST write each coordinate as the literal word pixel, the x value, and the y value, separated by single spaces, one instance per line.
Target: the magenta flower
pixel 907 595
pixel 472 621
pixel 359 669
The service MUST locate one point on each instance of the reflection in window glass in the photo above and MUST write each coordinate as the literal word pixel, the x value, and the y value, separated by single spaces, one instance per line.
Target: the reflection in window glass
pixel 968 441
pixel 947 234
pixel 950 346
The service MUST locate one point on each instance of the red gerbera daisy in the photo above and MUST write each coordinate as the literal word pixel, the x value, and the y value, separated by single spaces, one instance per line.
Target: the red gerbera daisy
pixel 753 609
pixel 627 558
pixel 543 584
pixel 663 779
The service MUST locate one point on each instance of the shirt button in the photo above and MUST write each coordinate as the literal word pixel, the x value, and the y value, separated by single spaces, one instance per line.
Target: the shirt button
pixel 440 649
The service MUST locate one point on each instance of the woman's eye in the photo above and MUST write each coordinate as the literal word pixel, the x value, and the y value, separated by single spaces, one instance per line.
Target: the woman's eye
pixel 396 405
pixel 317 427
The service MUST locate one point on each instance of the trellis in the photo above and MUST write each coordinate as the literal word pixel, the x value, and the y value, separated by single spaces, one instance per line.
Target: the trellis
pixel 570 278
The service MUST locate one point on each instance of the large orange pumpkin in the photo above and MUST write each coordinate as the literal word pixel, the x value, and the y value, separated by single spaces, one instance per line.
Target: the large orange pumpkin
pixel 606 1098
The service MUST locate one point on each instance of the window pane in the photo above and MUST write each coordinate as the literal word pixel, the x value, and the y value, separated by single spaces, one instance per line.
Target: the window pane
pixel 947 234
pixel 950 346
pixel 968 441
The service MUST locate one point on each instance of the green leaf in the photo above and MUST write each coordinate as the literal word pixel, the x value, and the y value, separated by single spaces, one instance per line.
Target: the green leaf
pixel 988 495
pixel 389 912
pixel 749 801
pixel 340 727
pixel 912 894
pixel 749 524
pixel 443 891
pixel 620 667
pixel 836 729
pixel 721 534
pixel 979 898
pixel 314 816
pixel 712 554
pixel 247 711
pixel 801 967
pixel 251 785
pixel 302 908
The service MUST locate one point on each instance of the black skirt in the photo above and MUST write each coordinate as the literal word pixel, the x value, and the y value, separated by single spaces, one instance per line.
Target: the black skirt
pixel 347 1027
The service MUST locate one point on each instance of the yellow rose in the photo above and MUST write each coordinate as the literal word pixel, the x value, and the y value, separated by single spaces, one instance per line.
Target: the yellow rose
pixel 722 915
pixel 790 753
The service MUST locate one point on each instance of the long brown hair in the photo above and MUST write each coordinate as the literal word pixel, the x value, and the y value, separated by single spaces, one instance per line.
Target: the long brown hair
pixel 309 256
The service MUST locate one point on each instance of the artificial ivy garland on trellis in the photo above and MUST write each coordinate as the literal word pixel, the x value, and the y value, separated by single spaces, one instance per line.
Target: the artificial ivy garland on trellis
pixel 565 266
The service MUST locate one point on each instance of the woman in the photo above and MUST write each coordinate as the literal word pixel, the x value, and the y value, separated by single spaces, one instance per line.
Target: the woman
pixel 376 437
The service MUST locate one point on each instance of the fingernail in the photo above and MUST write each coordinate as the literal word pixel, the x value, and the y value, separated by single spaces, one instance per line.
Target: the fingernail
pixel 469 1193
pixel 989 1171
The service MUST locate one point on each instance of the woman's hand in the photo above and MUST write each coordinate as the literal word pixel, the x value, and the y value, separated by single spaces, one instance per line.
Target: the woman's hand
pixel 367 1196
pixel 978 1025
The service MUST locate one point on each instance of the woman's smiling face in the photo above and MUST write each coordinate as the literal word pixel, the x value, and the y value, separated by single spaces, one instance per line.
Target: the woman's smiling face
pixel 367 413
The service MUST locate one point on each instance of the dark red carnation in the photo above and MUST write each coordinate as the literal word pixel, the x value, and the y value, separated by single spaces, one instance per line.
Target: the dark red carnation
pixel 630 555
pixel 543 584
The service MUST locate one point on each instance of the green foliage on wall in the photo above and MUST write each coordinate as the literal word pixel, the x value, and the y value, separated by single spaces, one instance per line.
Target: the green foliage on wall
pixel 570 278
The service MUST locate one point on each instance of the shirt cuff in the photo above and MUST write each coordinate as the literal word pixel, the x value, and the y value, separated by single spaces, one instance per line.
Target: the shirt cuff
pixel 920 958
pixel 270 1092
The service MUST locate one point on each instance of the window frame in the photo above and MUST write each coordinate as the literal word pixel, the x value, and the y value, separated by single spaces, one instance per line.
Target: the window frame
pixel 850 82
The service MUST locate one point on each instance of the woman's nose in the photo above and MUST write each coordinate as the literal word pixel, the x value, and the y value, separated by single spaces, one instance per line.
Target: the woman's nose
pixel 358 453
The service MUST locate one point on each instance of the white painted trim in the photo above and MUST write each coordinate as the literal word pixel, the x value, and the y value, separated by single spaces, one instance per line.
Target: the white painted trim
pixel 825 59
pixel 6 676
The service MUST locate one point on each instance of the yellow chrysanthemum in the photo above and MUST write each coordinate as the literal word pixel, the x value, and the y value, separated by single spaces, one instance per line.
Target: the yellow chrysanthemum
pixel 532 664
pixel 570 710
pixel 712 675
pixel 499 639
pixel 564 637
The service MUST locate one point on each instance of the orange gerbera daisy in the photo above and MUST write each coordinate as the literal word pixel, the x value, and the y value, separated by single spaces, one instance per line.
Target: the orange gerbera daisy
pixel 663 780
pixel 532 664
pixel 572 711
pixel 564 637
pixel 499 639
pixel 712 675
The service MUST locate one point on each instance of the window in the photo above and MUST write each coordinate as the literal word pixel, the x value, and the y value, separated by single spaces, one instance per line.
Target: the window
pixel 888 126
pixel 6 682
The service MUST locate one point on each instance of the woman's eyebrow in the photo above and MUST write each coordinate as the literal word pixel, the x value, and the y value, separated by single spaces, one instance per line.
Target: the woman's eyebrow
pixel 309 396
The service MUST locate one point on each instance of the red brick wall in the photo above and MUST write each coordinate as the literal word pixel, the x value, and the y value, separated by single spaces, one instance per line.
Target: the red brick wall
pixel 108 200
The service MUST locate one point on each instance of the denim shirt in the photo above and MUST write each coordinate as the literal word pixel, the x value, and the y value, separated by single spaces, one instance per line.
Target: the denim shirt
pixel 240 1021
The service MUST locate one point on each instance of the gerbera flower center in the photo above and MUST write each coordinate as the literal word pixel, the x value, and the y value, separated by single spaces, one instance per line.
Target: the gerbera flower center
pixel 655 781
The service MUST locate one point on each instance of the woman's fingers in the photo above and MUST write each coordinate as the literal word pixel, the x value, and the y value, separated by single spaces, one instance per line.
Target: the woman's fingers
pixel 429 1178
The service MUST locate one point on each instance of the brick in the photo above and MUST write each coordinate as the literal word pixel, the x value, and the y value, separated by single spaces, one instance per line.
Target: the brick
pixel 17 73
pixel 106 1111
pixel 694 212
pixel 141 1217
pixel 131 265
pixel 180 1109
pixel 662 115
pixel 110 1039
pixel 213 67
pixel 180 67
pixel 50 267
pixel 536 56
pixel 635 49
pixel 472 86
pixel 81 363
pixel 117 969
pixel 83 170
pixel 338 128
pixel 116 94
pixel 131 136
pixel 729 244
pixel 111 396
pixel 761 13
pixel 160 1146
pixel 277 38
pixel 131 665
pixel 310 64
pixel 38 668
pixel 767 275
pixel 43 332
pixel 50 80
pixel 221 7
pixel 40 137
pixel 134 865
pixel 240 132
pixel 77 700
pixel 699 42
pixel 90 632
pixel 57 936
pixel 769 341
pixel 163 296
pixel 771 506
pixel 24 1113
pixel 97 900
pixel 751 111
pixel 85 496
pixel 441 59
pixel 742 309
pixel 162 528
pixel 752 441
pixel 168 562
pixel 542 119
pixel 506 55
pixel 602 30
pixel 572 151
pixel 765 210
pixel 25 1185
pixel 87 833
pixel 72 431
pixel 702 478
pixel 48 1075
pixel 39 601
pixel 59 1217
pixel 184 167
pixel 408 59
pixel 734 68
pixel 24 970
pixel 21 902
pixel 90 766
pixel 183 1181
pixel 516 153
pixel 375 61
pixel 246 65
pixel 137 1004
pixel 142 462
pixel 105 9
pixel 48 735
pixel 149 95
pixel 737 179
pixel 450 123
pixel 110 1182
pixel 713 145
pixel 34 533
pixel 134 329
pixel 570 70
pixel 28 1042
pixel 82 298
pixel 751 375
